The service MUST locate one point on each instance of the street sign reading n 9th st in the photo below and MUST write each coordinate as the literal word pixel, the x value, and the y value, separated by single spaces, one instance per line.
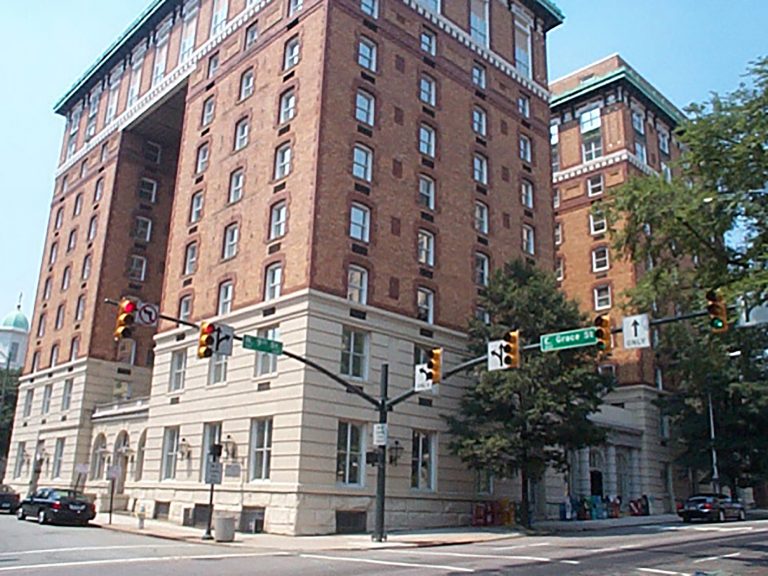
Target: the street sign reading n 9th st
pixel 262 344
pixel 569 339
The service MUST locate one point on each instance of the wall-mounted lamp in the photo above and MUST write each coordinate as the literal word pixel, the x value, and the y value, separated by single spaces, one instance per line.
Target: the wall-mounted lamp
pixel 230 447
pixel 395 452
pixel 185 450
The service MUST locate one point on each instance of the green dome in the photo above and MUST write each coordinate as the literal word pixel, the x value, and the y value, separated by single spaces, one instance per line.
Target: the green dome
pixel 17 320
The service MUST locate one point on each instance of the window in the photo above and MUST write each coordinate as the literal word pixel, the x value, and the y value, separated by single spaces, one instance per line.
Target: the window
pixel 370 7
pixel 78 205
pixel 219 16
pixel 84 167
pixel 590 120
pixel 640 152
pixel 74 349
pixel 53 253
pixel 267 363
pixel 20 452
pixel 80 308
pixel 261 449
pixel 478 21
pixel 196 207
pixel 359 222
pixel 638 122
pixel 357 285
pixel 47 393
pixel 188 33
pixel 349 454
pixel 231 236
pixel 58 456
pixel 666 172
pixel 143 229
pixel 72 240
pixel 273 283
pixel 54 355
pixel 65 277
pixel 178 370
pixel 147 190
pixel 354 353
pixel 362 163
pixel 426 192
pixel 104 153
pixel 365 105
pixel 554 146
pixel 246 84
pixel 479 121
pixel 433 5
pixel 251 35
pixel 294 6
pixel 366 54
pixel 185 307
pixel 524 106
pixel 427 90
pixel 161 60
pixel 217 369
pixel 525 149
pixel 422 461
pixel 425 248
pixel 241 136
pixel 137 268
pixel 597 222
pixel 236 182
pixel 664 142
pixel 427 139
pixel 112 102
pixel 66 396
pixel 86 272
pixel 481 217
pixel 28 402
pixel 209 108
pixel 59 219
pixel 480 169
pixel 600 259
pixel 41 326
pixel 592 145
pixel 482 269
pixel 428 42
pixel 523 49
pixel 595 185
pixel 135 85
pixel 526 194
pixel 283 161
pixel 287 106
pixel 170 448
pixel 152 152
pixel 529 240
pixel 602 296
pixel 92 227
pixel 425 305
pixel 213 65
pixel 202 159
pixel 291 53
pixel 47 288
pixel 479 76
pixel 278 216
pixel 559 269
pixel 226 295
pixel 558 233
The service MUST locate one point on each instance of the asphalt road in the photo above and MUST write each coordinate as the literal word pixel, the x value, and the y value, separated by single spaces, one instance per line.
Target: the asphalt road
pixel 732 549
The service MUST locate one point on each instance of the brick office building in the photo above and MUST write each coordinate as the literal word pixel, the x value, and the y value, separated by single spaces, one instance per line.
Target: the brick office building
pixel 608 125
pixel 341 175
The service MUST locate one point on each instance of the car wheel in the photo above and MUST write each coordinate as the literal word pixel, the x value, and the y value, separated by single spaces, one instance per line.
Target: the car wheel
pixel 41 517
pixel 742 515
pixel 721 516
pixel 687 519
pixel 20 513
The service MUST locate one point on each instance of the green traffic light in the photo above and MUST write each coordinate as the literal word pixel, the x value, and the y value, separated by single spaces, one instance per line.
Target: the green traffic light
pixel 716 323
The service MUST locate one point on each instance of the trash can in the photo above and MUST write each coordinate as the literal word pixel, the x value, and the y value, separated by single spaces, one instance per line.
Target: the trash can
pixel 224 529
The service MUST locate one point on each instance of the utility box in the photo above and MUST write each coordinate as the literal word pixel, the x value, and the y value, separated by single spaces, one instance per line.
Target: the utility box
pixel 224 529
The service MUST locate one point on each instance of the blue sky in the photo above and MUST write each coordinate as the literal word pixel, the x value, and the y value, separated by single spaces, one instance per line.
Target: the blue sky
pixel 686 48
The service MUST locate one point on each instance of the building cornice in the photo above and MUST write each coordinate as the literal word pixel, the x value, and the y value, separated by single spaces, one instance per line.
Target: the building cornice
pixel 548 11
pixel 603 162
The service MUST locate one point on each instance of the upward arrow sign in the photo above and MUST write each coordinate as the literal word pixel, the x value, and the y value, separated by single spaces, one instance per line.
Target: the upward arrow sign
pixel 635 326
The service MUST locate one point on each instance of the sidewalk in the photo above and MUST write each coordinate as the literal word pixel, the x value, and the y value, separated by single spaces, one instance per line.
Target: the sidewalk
pixel 589 525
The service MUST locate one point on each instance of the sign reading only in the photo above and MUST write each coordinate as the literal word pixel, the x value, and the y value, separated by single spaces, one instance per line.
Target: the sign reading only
pixel 569 339
pixel 262 344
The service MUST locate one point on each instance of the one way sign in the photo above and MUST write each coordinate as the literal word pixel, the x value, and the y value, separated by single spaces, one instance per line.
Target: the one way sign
pixel 636 332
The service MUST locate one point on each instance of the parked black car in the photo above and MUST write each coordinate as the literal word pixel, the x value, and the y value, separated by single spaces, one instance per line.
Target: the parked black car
pixel 712 507
pixel 54 505
pixel 9 500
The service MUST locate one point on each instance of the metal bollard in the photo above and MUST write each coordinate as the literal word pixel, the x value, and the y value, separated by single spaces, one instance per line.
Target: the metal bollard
pixel 141 515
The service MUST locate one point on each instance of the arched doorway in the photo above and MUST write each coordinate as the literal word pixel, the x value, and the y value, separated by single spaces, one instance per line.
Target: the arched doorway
pixel 596 467
pixel 120 459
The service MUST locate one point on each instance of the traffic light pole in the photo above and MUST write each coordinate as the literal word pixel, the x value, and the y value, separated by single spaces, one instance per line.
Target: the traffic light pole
pixel 381 478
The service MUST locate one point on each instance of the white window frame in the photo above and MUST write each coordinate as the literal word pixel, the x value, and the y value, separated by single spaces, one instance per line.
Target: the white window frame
pixel 58 457
pixel 291 53
pixel 362 162
pixel 143 229
pixel 597 224
pixel 170 453
pixel 357 284
pixel 260 450
pixel 641 151
pixel 350 459
pixel 226 295
pixel 590 120
pixel 278 218
pixel 247 80
pixel 80 308
pixel 294 7
pixel 185 307
pixel 523 53
pixel 283 161
pixel 425 247
pixel 231 239
pixel 190 258
pixel 287 106
pixel 360 222
pixel 602 297
pixel 242 129
pixel 526 151
pixel 365 107
pixel 427 140
pixel 47 395
pixel 428 42
pixel 559 269
pixel 137 269
pixel 600 259
pixel 178 369
pixel 524 106
pixel 367 54
pixel 66 394
pixel 426 192
pixel 479 76
pixel 480 169
pixel 664 141
pixel 529 240
pixel 527 194
pixel 266 364
pixel 595 185
pixel 427 90
pixel 273 281
pixel 425 304
pixel 219 16
pixel 203 156
pixel 638 121
pixel 482 269
pixel 558 233
pixel 148 190
pixel 479 29
pixel 370 7
pixel 479 121
pixel 352 340
pixel 481 217
pixel 421 459
pixel 217 369
pixel 196 207
pixel 236 185
pixel 592 145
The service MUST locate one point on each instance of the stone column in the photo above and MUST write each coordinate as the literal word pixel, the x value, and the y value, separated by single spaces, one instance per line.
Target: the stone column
pixel 636 481
pixel 582 473
pixel 611 487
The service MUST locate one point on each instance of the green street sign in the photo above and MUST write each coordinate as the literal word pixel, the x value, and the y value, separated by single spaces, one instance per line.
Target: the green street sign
pixel 569 339
pixel 262 344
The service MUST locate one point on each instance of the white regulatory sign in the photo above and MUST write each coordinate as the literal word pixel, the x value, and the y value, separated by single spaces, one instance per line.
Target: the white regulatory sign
pixel 147 314
pixel 496 355
pixel 213 472
pixel 421 382
pixel 380 434
pixel 636 332
pixel 224 338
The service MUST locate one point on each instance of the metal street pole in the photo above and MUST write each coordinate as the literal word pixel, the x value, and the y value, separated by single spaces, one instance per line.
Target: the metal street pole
pixel 715 474
pixel 381 480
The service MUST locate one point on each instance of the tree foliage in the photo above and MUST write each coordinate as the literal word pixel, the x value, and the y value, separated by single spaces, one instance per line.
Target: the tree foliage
pixel 523 420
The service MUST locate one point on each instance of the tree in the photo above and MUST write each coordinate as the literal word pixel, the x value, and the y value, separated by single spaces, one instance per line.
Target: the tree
pixel 526 419
pixel 9 382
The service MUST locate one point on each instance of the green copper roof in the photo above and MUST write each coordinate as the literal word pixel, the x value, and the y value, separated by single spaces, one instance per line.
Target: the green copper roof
pixel 622 73
pixel 119 48
pixel 550 7
pixel 17 320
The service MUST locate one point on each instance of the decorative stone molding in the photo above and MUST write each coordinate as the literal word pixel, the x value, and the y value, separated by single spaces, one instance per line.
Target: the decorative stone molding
pixel 603 162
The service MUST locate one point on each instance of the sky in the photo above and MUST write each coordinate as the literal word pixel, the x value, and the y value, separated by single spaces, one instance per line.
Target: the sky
pixel 686 48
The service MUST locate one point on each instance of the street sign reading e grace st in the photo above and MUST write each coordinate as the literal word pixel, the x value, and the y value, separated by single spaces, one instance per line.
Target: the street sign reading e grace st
pixel 569 339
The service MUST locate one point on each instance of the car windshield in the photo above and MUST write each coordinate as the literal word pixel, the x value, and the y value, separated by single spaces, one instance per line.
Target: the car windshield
pixel 68 494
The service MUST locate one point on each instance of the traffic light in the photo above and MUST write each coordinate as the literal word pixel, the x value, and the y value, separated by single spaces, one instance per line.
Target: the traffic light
pixel 511 349
pixel 435 365
pixel 603 333
pixel 206 340
pixel 718 312
pixel 126 311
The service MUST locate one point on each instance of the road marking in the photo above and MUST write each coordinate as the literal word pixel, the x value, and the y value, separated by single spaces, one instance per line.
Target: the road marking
pixel 522 546
pixel 145 559
pixel 712 558
pixel 666 572
pixel 386 563
pixel 481 556
pixel 615 548
pixel 89 548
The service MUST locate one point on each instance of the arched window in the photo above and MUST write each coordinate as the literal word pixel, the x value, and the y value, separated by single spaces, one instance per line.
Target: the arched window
pixel 99 457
